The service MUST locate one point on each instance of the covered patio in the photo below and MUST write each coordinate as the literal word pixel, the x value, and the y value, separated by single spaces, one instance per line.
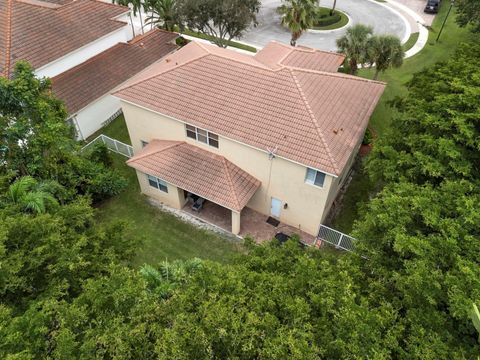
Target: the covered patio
pixel 252 223
pixel 187 174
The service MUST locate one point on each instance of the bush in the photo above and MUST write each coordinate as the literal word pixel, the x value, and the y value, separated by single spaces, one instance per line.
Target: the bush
pixel 324 18
pixel 368 137
pixel 101 154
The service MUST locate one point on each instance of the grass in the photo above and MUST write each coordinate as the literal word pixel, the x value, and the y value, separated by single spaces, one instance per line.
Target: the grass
pixel 412 40
pixel 361 189
pixel 340 23
pixel 162 235
pixel 117 129
pixel 234 44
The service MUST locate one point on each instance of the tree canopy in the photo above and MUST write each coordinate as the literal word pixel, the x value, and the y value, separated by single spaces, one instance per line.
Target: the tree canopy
pixel 223 20
pixel 468 13
pixel 67 290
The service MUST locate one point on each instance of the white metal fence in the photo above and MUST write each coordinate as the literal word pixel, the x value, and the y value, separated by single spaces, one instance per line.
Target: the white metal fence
pixel 336 238
pixel 112 144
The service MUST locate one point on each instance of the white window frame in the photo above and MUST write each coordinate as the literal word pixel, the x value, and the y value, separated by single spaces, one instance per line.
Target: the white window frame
pixel 159 183
pixel 315 173
pixel 211 139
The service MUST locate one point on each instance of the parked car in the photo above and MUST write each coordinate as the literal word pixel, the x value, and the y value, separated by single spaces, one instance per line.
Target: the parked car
pixel 432 6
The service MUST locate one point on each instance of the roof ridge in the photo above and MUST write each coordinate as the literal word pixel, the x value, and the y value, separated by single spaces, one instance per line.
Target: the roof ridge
pixel 40 3
pixel 314 119
pixel 9 38
pixel 335 74
pixel 230 182
pixel 148 34
pixel 256 64
pixel 174 144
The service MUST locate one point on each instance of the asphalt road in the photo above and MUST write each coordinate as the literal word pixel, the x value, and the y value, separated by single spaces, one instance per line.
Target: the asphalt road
pixel 383 20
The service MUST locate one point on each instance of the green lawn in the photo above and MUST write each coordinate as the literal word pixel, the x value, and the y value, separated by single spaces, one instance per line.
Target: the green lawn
pixel 163 235
pixel 360 188
pixel 117 130
pixel 412 40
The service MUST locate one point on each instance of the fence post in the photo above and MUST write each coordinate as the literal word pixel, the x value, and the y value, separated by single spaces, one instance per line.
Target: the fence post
pixel 340 240
pixel 115 143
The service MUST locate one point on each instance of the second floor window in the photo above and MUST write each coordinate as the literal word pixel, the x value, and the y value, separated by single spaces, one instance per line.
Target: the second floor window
pixel 201 135
pixel 315 177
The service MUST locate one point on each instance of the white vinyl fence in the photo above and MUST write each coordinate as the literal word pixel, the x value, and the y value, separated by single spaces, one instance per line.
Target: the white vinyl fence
pixel 336 238
pixel 112 144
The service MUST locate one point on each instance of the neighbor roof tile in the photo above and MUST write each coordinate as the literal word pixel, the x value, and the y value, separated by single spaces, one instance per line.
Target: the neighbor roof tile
pixel 99 75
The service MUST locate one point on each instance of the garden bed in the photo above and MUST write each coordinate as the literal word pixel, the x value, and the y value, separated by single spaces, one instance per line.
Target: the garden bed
pixel 328 20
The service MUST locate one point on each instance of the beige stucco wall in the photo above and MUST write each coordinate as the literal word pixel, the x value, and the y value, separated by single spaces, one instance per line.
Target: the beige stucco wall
pixel 173 198
pixel 281 179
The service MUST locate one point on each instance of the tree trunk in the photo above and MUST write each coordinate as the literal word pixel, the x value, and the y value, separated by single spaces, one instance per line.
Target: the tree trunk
pixel 131 23
pixel 353 66
pixel 141 20
pixel 333 8
pixel 377 72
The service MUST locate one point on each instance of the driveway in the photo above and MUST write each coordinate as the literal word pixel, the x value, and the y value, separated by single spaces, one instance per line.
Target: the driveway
pixel 383 19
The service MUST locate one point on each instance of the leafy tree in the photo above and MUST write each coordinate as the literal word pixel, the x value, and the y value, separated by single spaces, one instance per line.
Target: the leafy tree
pixel 221 19
pixel 421 234
pixel 436 137
pixel 163 13
pixel 35 139
pixel 354 45
pixel 298 16
pixel 384 52
pixel 468 12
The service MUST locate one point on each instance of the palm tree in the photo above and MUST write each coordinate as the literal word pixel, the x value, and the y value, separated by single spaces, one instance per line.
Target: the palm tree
pixel 298 16
pixel 333 7
pixel 126 3
pixel 32 196
pixel 354 45
pixel 384 52
pixel 169 275
pixel 137 7
pixel 163 15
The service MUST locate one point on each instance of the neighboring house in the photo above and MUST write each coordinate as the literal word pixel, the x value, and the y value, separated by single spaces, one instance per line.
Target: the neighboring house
pixel 86 88
pixel 85 46
pixel 56 36
pixel 276 132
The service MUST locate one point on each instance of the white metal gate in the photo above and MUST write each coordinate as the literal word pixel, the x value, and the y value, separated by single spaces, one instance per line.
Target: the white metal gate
pixel 336 238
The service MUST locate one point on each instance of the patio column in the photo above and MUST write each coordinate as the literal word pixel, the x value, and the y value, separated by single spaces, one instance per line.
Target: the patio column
pixel 235 222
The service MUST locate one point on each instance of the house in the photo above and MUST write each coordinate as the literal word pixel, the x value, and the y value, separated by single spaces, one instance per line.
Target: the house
pixel 85 46
pixel 86 88
pixel 275 133
pixel 54 36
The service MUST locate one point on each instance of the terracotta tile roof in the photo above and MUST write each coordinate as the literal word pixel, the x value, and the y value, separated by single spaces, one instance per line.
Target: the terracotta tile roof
pixel 41 32
pixel 198 171
pixel 99 75
pixel 311 117
pixel 276 54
